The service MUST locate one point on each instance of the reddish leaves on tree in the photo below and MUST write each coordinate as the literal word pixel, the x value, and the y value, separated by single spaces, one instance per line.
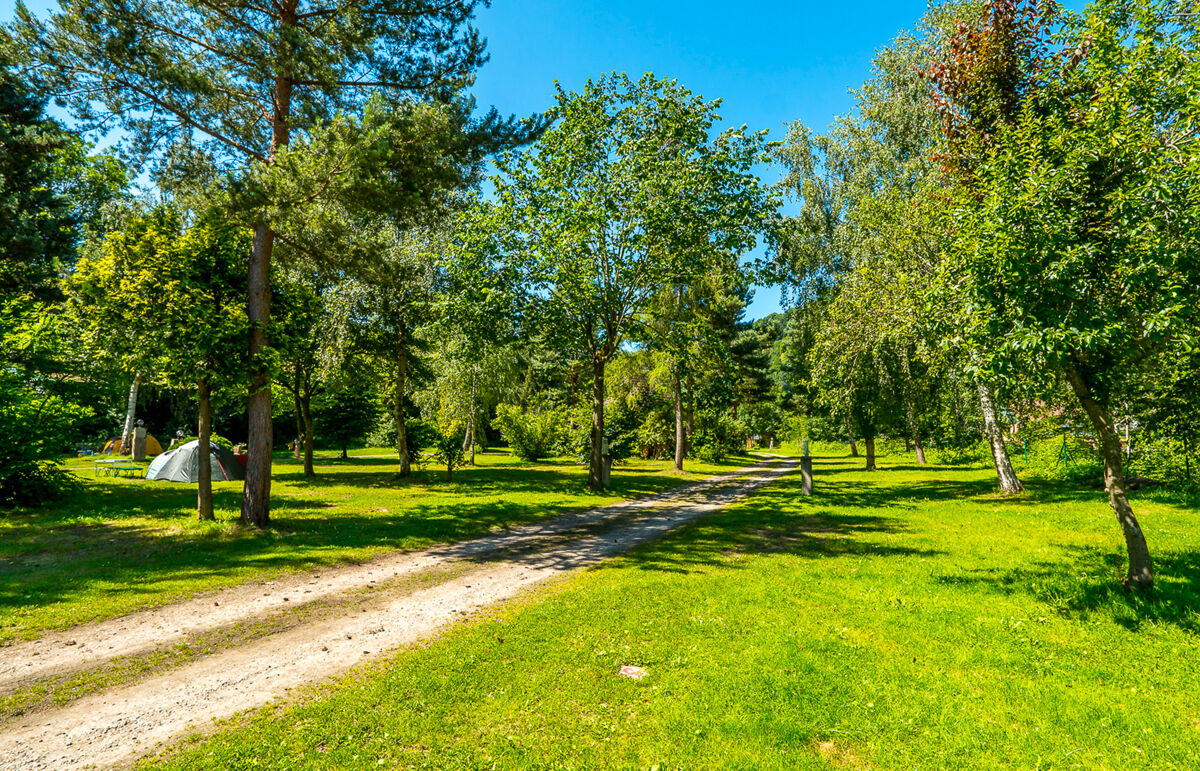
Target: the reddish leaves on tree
pixel 986 72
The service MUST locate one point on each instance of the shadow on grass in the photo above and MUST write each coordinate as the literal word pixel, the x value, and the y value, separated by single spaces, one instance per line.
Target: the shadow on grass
pixel 1088 580
pixel 778 520
pixel 86 547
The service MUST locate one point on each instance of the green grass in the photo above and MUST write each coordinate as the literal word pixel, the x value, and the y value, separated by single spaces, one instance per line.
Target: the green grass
pixel 904 619
pixel 123 544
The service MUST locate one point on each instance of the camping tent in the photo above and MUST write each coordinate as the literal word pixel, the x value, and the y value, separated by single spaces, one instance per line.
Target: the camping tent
pixel 113 445
pixel 183 464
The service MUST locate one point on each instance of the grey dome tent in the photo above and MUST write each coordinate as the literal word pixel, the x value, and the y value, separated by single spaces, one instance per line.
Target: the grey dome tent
pixel 183 464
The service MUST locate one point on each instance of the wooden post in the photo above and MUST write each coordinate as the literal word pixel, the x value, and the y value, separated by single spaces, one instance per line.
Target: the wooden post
pixel 806 474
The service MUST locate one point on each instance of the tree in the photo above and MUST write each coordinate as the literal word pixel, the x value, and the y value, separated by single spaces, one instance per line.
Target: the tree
pixel 626 195
pixel 302 321
pixel 176 291
pixel 345 414
pixel 379 314
pixel 448 451
pixel 251 79
pixel 50 192
pixel 868 190
pixel 1076 223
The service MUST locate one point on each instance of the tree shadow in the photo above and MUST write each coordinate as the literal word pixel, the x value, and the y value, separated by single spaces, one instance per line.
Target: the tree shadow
pixel 778 520
pixel 86 547
pixel 1088 580
pixel 870 495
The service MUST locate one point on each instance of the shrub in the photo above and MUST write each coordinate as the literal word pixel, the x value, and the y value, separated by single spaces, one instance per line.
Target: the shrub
pixel 532 436
pixel 1058 457
pixel 215 438
pixel 447 450
pixel 419 435
pixel 621 424
pixel 977 454
pixel 656 437
pixel 718 435
pixel 34 484
pixel 37 425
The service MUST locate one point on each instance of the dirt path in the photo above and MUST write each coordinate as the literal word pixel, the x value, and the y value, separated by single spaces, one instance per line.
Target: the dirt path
pixel 121 724
pixel 89 644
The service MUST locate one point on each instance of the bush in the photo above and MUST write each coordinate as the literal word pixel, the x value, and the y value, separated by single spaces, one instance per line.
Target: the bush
pixel 532 436
pixel 656 437
pixel 448 452
pixel 718 435
pixel 37 426
pixel 344 416
pixel 419 435
pixel 34 484
pixel 215 438
pixel 977 454
pixel 1058 457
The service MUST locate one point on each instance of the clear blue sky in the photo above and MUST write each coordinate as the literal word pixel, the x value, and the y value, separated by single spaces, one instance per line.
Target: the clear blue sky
pixel 771 62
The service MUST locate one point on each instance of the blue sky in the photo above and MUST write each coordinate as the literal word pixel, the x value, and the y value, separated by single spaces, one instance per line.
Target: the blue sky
pixel 771 62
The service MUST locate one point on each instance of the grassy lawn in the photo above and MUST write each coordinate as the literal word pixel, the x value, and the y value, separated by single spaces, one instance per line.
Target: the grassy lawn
pixel 123 544
pixel 903 619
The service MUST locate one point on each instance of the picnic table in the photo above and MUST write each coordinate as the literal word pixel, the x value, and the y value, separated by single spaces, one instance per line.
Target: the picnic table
pixel 105 466
pixel 116 467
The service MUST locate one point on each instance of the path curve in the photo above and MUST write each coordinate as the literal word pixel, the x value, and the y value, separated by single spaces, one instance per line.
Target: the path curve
pixel 120 725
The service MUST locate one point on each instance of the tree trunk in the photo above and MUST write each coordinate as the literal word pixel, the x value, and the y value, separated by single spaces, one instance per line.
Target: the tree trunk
pixel 469 435
pixel 679 436
pixel 1140 575
pixel 1009 484
pixel 596 464
pixel 204 495
pixel 130 415
pixel 853 444
pixel 296 404
pixel 256 493
pixel 306 407
pixel 302 397
pixel 870 442
pixel 916 431
pixel 401 378
pixel 691 407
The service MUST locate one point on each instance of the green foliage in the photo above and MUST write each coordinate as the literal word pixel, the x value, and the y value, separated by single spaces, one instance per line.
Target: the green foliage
pixel 38 424
pixel 717 436
pixel 43 171
pixel 447 451
pixel 656 436
pixel 627 195
pixel 1076 199
pixel 167 300
pixel 421 436
pixel 214 438
pixel 344 415
pixel 37 226
pixel 532 436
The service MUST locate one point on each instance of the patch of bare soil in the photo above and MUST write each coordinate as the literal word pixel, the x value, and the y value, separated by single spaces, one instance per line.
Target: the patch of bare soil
pixel 121 724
